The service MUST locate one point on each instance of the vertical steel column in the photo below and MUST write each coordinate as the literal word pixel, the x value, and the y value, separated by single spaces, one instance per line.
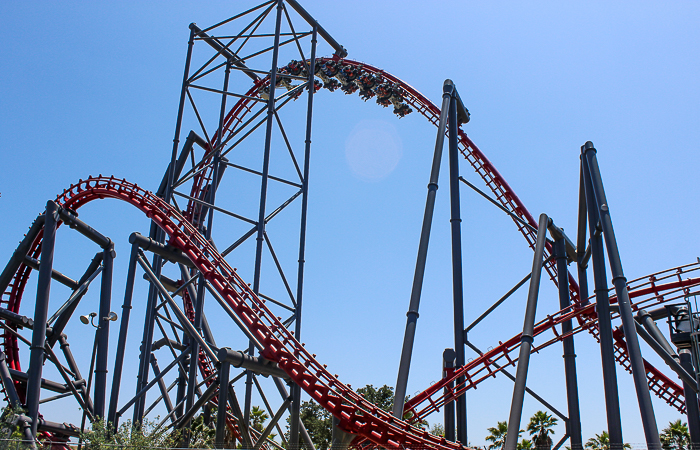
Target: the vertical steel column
pixel 296 390
pixel 222 401
pixel 574 422
pixel 178 121
pixel 36 361
pixel 646 409
pixel 691 399
pixel 8 383
pixel 146 344
pixel 526 339
pixel 582 265
pixel 457 287
pixel 123 329
pixel 412 314
pixel 602 307
pixel 103 331
pixel 448 364
pixel 263 193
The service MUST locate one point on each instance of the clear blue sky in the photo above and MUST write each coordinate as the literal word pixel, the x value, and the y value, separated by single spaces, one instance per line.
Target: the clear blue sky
pixel 92 88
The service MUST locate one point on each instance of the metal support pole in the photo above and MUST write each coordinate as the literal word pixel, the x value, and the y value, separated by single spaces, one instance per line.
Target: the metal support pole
pixel 178 121
pixel 263 192
pixel 646 409
pixel 574 422
pixel 412 314
pixel 582 265
pixel 295 389
pixel 19 254
pixel 526 339
pixel 103 332
pixel 121 342
pixel 691 400
pixel 36 361
pixel 602 307
pixel 161 384
pixel 222 402
pixel 457 282
pixel 7 383
pixel 448 364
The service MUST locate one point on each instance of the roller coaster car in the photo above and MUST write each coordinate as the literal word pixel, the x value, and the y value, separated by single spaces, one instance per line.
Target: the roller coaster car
pixel 332 84
pixel 282 80
pixel 330 69
pixel 402 110
pixel 295 67
pixel 366 82
pixel 384 93
pixel 317 86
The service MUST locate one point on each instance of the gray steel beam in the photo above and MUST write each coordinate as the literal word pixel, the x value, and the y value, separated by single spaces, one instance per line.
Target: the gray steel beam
pixel 619 280
pixel 448 364
pixel 222 401
pixel 602 307
pixel 339 49
pixel 168 252
pixel 668 358
pixel 581 254
pixel 457 278
pixel 55 274
pixel 263 192
pixel 258 365
pixel 691 400
pixel 103 332
pixel 121 340
pixel 41 309
pixel 8 383
pixel 18 255
pixel 295 389
pixel 71 219
pixel 417 287
pixel 526 339
pixel 572 398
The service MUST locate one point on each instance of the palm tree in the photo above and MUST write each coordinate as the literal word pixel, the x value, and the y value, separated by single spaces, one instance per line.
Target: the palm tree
pixel 540 427
pixel 525 444
pixel 498 436
pixel 259 417
pixel 602 442
pixel 599 442
pixel 675 436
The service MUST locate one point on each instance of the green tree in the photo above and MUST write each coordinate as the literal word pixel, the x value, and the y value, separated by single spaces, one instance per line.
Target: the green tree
pixel 601 442
pixel 382 397
pixel 497 436
pixel 675 436
pixel 525 444
pixel 437 429
pixel 540 427
pixel 144 436
pixel 259 417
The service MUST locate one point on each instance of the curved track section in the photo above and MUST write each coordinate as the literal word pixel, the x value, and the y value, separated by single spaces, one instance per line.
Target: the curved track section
pixel 356 415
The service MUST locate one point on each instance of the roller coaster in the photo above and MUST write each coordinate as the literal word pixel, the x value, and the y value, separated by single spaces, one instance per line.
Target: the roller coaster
pixel 183 262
